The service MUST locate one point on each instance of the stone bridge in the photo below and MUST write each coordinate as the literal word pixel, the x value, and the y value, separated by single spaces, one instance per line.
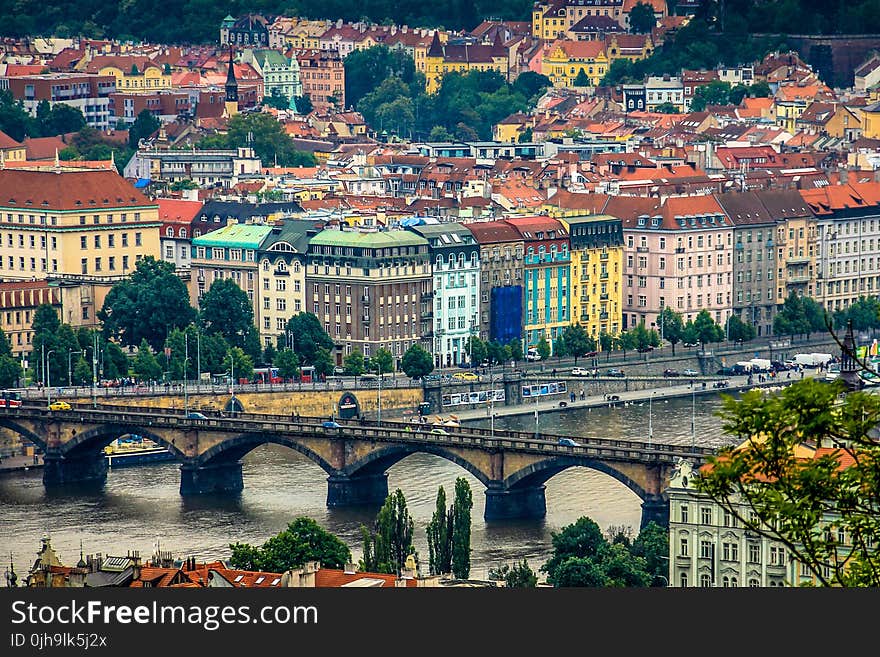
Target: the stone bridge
pixel 513 466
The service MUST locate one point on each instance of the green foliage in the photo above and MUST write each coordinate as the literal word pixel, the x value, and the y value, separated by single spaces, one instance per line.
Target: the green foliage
pixel 792 318
pixel 440 133
pixel 667 108
pixel 323 362
pixel 225 309
pixel 864 313
pixel 641 18
pixel 269 354
pixel 303 104
pixel 213 350
pixel 775 490
pixel 238 364
pixel 440 531
pixel 477 349
pixel 270 142
pixel 90 144
pixel 180 185
pixel 44 332
pixel 182 345
pixel 520 575
pixel 495 352
pixel 581 79
pixel 706 328
pixel 671 326
pixel 461 529
pixel 308 336
pixel 389 543
pixel 116 363
pixel 367 70
pixel 714 93
pixel 276 100
pixel 417 362
pixel 146 367
pixel 642 337
pixel 304 540
pixel 382 361
pixel 543 348
pixel 516 350
pixel 144 125
pixel 146 306
pixel 578 342
pixel 738 330
pixel 652 544
pixel 287 363
pixel 82 373
pixel 606 343
pixel 354 363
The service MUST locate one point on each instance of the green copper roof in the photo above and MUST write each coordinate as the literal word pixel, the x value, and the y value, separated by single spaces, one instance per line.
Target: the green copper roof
pixel 368 240
pixel 242 236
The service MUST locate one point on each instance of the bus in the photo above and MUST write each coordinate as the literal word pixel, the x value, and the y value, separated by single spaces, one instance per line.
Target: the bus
pixel 10 399
pixel 267 375
pixel 307 373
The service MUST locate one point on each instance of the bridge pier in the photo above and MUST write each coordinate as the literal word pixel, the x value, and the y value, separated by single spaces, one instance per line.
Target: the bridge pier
pixel 59 470
pixel 656 508
pixel 215 478
pixel 356 491
pixel 515 503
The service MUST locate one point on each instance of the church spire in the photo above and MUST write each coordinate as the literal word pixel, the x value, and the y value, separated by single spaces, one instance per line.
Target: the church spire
pixel 231 83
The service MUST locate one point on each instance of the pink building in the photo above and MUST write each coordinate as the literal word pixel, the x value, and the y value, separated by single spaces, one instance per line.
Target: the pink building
pixel 678 253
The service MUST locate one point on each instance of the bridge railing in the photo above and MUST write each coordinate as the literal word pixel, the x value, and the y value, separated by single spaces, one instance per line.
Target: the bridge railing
pixel 368 429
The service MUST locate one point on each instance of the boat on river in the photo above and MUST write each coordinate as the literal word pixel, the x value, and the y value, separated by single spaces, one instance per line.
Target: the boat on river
pixel 135 450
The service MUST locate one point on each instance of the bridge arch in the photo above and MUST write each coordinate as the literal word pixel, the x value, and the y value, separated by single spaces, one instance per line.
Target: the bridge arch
pixel 101 436
pixel 234 449
pixel 380 460
pixel 538 473
pixel 12 425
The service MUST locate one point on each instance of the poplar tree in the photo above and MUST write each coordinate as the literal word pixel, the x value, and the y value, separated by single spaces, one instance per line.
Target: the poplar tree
pixel 461 529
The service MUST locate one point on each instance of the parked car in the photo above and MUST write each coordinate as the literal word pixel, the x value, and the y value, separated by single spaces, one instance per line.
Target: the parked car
pixel 465 376
pixel 615 372
pixel 725 371
pixel 59 406
pixel 779 366
pixel 330 424
pixel 668 372
pixel 580 371
pixel 568 442
pixel 690 372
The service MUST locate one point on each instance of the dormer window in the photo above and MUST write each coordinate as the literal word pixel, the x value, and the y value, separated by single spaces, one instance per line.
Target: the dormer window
pixel 641 221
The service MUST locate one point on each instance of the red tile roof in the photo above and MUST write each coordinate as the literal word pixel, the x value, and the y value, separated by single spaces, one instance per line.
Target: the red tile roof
pixel 7 142
pixel 178 212
pixel 68 190
pixel 493 232
pixel 43 148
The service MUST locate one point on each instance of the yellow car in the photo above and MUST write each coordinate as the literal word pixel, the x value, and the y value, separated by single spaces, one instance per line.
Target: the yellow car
pixel 59 406
pixel 465 376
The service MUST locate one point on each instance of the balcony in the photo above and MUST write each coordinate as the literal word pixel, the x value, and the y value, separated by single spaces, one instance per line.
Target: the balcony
pixel 739 246
pixel 719 247
pixel 641 249
pixel 798 278
pixel 427 314
pixel 282 272
pixel 603 276
pixel 603 316
pixel 603 297
pixel 427 296
pixel 798 260
pixel 365 318
pixel 365 300
pixel 603 256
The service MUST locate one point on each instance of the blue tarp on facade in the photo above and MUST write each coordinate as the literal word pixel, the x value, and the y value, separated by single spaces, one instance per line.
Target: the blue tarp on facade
pixel 142 182
pixel 506 308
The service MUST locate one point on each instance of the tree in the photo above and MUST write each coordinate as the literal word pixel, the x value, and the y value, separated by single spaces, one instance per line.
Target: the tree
pixel 792 318
pixel 287 363
pixel 706 328
pixel 146 367
pixel 366 69
pixel 606 344
pixel 303 104
pixel 265 135
pixel 689 334
pixel 388 545
pixel 516 350
pixel 269 354
pixel 461 529
pixel 44 332
pixel 324 362
pixel 417 362
pixel 226 309
pixel 517 576
pixel 543 348
pixel 303 540
pixel 214 350
pixel 578 342
pixel 354 363
pixel 671 326
pixel 582 539
pixel 382 361
pixel 642 337
pixel 477 350
pixel 667 108
pixel 238 364
pixel 178 367
pixel 276 100
pixel 531 85
pixel 622 568
pixel 581 79
pixel 714 93
pixel 777 485
pixel 864 313
pixel 816 318
pixel 147 305
pixel 652 544
pixel 578 572
pixel 494 353
pixel 144 125
pixel 440 133
pixel 738 330
pixel 440 531
pixel 642 19
pixel 116 363
pixel 82 373
pixel 308 336
pixel 626 341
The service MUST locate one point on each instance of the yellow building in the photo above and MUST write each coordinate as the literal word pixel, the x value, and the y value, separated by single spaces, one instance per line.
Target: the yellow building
pixel 133 74
pixel 596 266
pixel 11 150
pixel 788 112
pixel 564 60
pixel 552 19
pixel 871 121
pixel 82 228
pixel 446 58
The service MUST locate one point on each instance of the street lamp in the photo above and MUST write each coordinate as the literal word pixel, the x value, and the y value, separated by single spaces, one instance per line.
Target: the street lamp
pixel 69 366
pixel 693 418
pixel 650 419
pixel 48 382
pixel 379 395
pixel 185 361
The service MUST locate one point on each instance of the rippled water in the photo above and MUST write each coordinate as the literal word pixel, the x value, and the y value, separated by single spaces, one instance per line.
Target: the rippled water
pixel 139 506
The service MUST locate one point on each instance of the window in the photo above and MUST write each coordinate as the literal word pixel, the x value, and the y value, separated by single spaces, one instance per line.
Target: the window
pixel 706 549
pixel 125 239
pixel 706 515
pixel 82 242
pixel 705 580
pixel 683 513
pixel 137 236
pixel 754 553
pixel 683 546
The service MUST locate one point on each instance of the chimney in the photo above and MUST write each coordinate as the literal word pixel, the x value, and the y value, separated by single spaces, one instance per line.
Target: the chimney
pixel 844 175
pixel 350 569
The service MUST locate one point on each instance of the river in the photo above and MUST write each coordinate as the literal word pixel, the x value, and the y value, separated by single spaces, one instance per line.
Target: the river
pixel 140 506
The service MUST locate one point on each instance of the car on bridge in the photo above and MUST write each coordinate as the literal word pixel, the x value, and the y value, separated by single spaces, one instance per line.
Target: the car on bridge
pixel 465 376
pixel 440 431
pixel 568 442
pixel 59 406
pixel 669 372
pixel 195 415
pixel 330 424
pixel 580 371
pixel 690 372
pixel 615 372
